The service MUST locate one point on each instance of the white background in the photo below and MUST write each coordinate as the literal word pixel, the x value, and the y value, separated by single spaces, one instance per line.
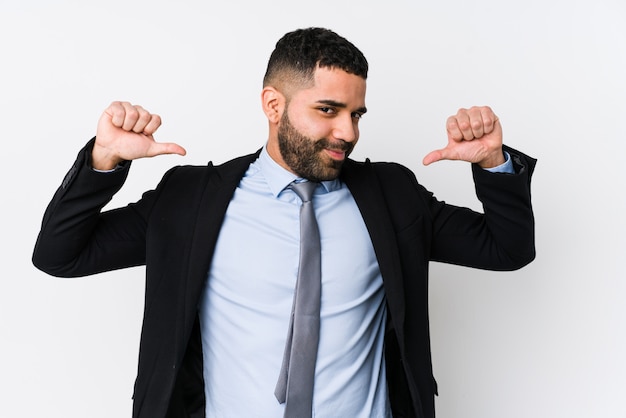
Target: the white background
pixel 546 341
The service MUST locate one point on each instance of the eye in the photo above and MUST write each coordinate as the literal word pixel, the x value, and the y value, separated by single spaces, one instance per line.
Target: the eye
pixel 357 115
pixel 327 110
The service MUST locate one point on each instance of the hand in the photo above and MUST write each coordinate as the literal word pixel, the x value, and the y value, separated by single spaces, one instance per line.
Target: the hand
pixel 474 135
pixel 125 133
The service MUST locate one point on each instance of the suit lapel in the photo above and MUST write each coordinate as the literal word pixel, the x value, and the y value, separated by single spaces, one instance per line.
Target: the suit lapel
pixel 367 192
pixel 368 195
pixel 220 187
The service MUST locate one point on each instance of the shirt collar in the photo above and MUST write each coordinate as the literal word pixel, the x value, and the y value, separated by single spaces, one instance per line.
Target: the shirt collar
pixel 279 178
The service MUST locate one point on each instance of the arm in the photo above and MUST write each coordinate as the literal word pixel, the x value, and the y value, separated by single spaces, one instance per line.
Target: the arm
pixel 504 237
pixel 76 239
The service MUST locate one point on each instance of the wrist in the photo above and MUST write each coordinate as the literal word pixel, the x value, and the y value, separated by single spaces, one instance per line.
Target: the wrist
pixel 102 160
pixel 494 160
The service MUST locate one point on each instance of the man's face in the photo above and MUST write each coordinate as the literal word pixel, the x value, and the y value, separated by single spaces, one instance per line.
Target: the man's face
pixel 319 127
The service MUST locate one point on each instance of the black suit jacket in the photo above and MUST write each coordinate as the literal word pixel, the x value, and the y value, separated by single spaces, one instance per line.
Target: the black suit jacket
pixel 173 230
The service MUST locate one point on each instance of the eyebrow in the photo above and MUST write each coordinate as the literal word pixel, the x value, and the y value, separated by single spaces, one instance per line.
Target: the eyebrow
pixel 341 105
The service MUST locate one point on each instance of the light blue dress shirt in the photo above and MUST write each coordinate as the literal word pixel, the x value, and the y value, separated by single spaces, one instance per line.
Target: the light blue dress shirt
pixel 246 304
pixel 245 308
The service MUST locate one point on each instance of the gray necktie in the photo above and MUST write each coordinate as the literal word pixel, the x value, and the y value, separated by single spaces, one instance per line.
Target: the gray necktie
pixel 297 374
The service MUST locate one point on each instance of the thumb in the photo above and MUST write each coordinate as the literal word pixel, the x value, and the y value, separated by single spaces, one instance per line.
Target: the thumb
pixel 160 148
pixel 433 157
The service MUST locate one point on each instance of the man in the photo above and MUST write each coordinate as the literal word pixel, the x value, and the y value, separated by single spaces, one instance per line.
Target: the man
pixel 221 243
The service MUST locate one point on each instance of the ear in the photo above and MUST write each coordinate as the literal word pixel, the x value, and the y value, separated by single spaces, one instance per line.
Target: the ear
pixel 273 102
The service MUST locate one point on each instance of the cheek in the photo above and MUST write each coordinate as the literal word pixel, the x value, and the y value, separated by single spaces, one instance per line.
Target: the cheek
pixel 315 129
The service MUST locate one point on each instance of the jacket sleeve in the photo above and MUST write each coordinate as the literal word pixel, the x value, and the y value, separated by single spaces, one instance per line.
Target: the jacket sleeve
pixel 503 237
pixel 76 239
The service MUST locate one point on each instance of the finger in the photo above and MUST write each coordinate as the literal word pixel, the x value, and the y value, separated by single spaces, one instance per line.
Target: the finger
pixel 116 113
pixel 463 125
pixel 452 127
pixel 489 119
pixel 152 125
pixel 131 116
pixel 476 122
pixel 143 120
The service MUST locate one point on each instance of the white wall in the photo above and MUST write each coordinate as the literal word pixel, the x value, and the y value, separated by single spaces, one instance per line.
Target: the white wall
pixel 546 341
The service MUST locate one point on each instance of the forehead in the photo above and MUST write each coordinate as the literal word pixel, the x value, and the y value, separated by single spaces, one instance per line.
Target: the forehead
pixel 336 85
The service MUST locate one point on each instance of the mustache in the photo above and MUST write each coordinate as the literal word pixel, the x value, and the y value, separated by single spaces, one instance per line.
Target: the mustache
pixel 338 145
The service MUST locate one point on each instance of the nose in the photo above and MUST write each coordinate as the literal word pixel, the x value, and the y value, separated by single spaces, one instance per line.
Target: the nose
pixel 346 129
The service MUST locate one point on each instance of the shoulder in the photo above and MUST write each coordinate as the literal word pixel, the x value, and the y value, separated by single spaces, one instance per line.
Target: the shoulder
pixel 387 173
pixel 234 167
pixel 184 179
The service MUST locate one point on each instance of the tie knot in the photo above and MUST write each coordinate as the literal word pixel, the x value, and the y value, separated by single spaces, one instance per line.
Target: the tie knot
pixel 304 190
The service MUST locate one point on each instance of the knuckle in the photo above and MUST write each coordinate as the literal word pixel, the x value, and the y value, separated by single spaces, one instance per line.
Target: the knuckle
pixel 144 116
pixel 116 107
pixel 464 125
pixel 132 113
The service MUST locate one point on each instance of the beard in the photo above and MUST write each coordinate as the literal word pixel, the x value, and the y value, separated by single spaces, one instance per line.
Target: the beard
pixel 305 156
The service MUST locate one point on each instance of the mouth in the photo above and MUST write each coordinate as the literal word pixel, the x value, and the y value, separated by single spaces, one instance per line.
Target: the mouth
pixel 336 154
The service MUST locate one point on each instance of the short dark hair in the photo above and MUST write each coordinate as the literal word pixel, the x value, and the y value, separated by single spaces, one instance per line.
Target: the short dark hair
pixel 299 53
